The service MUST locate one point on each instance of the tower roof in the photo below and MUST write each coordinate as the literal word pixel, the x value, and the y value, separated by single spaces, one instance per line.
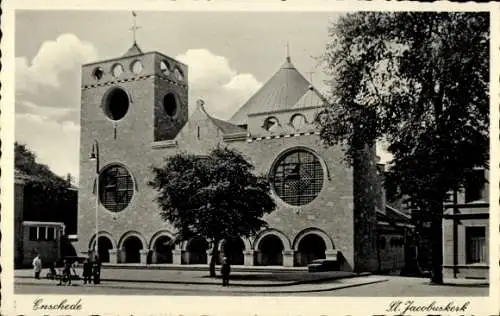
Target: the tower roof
pixel 282 92
pixel 133 50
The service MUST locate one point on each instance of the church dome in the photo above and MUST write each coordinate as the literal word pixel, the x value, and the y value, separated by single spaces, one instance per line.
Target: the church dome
pixel 282 92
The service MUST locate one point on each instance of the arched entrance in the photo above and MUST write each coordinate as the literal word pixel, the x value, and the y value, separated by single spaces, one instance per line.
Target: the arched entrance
pixel 132 247
pixel 197 251
pixel 271 251
pixel 162 250
pixel 105 245
pixel 233 248
pixel 311 247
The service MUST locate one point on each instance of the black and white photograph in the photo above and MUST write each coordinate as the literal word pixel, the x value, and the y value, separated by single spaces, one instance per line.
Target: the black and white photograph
pixel 252 154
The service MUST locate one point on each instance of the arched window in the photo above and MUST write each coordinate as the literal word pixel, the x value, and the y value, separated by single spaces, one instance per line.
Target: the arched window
pixel 297 177
pixel 271 124
pixel 116 188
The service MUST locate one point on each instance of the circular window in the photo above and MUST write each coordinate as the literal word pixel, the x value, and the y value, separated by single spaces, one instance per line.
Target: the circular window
pixel 116 188
pixel 164 67
pixel 117 70
pixel 297 177
pixel 170 104
pixel 136 67
pixel 97 73
pixel 116 104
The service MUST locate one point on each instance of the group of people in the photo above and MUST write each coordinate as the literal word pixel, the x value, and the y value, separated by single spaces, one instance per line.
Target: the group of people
pixel 91 271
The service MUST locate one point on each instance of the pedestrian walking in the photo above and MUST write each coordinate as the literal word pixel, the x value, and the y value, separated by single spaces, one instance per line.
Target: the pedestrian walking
pixel 37 266
pixel 66 273
pixel 225 270
pixel 87 271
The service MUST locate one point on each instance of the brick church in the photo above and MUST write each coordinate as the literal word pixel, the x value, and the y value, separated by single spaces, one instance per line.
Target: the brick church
pixel 134 113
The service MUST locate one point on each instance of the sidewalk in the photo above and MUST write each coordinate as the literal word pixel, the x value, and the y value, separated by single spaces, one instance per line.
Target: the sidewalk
pixel 212 288
pixel 198 277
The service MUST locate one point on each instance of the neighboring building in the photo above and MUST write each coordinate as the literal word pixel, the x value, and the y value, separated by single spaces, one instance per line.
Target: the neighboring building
pixel 135 107
pixel 465 229
pixel 43 238
pixel 39 230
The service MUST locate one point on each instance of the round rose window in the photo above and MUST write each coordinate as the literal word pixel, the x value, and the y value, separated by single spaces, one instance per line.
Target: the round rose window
pixel 297 177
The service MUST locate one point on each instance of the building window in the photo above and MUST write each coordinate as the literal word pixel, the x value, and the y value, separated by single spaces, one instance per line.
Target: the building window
pixel 116 104
pixel 297 177
pixel 476 249
pixel 51 231
pixel 42 233
pixel 116 188
pixel 271 124
pixel 170 104
pixel 474 185
pixel 33 233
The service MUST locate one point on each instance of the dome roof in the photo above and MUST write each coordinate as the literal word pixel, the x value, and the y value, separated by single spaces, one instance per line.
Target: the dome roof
pixel 283 91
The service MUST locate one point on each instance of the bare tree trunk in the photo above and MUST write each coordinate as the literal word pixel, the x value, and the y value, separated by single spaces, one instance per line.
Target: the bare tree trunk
pixel 213 260
pixel 437 246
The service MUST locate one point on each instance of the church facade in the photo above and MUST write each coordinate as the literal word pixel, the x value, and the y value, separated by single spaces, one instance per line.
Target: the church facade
pixel 134 113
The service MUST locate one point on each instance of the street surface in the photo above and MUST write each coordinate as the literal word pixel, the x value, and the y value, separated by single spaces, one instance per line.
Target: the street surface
pixel 385 286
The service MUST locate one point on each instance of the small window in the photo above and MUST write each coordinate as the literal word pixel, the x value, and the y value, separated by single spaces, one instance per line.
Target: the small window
pixel 165 67
pixel 477 252
pixel 170 104
pixel 42 233
pixel 271 124
pixel 97 73
pixel 178 74
pixel 51 233
pixel 298 121
pixel 117 70
pixel 474 185
pixel 136 67
pixel 33 233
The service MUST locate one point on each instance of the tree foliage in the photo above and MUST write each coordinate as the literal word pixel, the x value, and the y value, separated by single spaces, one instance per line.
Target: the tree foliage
pixel 418 81
pixel 47 197
pixel 216 196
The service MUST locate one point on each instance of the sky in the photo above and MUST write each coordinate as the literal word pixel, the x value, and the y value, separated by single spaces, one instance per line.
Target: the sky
pixel 229 54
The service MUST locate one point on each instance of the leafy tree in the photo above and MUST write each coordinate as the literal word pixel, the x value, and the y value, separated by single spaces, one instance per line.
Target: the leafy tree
pixel 216 197
pixel 418 81
pixel 47 197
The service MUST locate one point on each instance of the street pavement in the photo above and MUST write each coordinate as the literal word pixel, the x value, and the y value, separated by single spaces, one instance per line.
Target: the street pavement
pixel 200 277
pixel 372 285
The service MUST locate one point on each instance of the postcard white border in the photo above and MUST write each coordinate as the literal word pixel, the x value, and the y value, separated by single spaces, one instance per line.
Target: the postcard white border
pixel 235 305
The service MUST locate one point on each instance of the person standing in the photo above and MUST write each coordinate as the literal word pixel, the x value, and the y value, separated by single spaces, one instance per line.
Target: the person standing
pixel 97 270
pixel 37 266
pixel 225 270
pixel 87 271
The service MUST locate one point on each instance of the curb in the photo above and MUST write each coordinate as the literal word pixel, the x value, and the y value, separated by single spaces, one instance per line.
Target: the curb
pixel 289 283
pixel 238 291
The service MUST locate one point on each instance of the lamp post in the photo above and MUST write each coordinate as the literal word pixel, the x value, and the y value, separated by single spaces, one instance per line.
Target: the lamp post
pixel 95 156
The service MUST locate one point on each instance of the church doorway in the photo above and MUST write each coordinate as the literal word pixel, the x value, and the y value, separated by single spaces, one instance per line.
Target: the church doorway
pixel 311 247
pixel 271 251
pixel 197 251
pixel 104 246
pixel 162 250
pixel 233 248
pixel 132 246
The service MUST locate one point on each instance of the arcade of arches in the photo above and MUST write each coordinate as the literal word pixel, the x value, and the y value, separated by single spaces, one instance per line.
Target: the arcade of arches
pixel 271 249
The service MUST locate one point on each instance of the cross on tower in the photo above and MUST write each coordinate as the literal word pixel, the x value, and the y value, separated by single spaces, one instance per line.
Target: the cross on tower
pixel 134 27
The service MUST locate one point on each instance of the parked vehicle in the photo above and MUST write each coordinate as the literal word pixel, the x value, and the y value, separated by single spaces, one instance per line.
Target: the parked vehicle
pixel 320 265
